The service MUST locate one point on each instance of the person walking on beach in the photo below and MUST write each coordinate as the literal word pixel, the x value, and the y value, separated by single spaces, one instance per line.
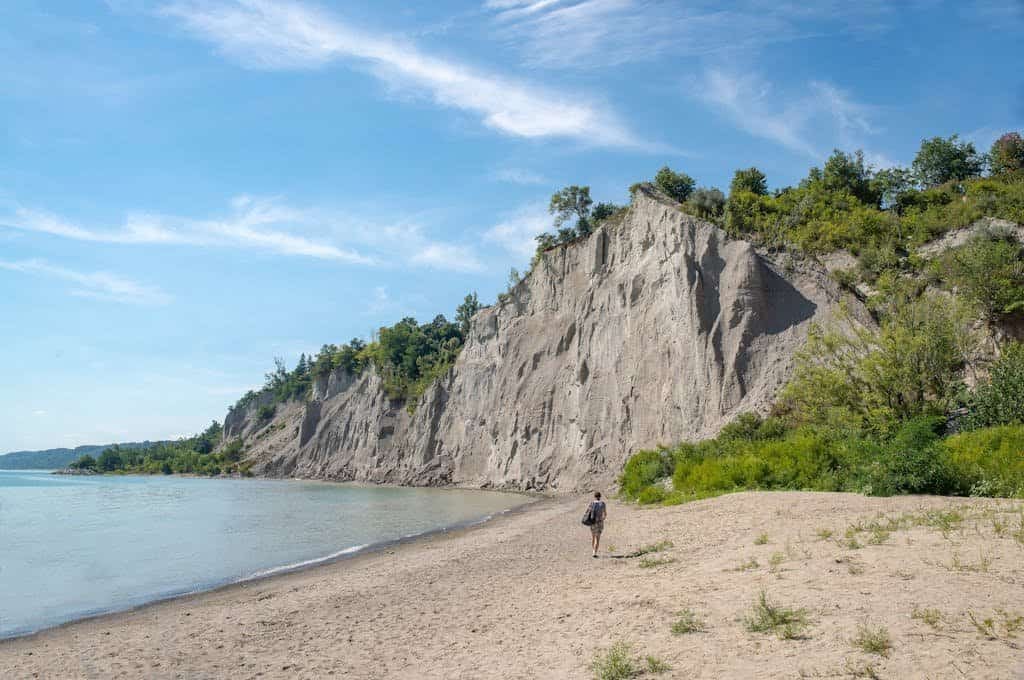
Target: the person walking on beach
pixel 596 513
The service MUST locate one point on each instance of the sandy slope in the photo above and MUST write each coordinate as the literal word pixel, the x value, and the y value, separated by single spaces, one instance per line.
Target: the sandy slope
pixel 522 598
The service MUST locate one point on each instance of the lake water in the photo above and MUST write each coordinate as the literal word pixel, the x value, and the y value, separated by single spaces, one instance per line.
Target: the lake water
pixel 76 546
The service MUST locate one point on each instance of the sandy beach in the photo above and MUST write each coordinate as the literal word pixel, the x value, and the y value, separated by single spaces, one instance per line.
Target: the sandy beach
pixel 521 597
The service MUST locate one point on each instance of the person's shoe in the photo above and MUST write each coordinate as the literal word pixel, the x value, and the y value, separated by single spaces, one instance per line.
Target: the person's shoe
pixel 595 554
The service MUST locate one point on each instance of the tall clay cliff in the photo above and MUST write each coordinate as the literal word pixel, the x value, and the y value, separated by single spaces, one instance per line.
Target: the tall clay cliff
pixel 654 329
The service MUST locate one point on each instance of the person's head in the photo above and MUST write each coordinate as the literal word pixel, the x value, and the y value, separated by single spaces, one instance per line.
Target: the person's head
pixel 597 495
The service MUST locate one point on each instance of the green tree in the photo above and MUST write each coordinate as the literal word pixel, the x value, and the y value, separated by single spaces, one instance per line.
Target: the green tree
pixel 572 202
pixel 858 376
pixel 891 185
pixel 848 172
pixel 749 179
pixel 464 312
pixel 85 462
pixel 677 185
pixel 708 202
pixel 1007 154
pixel 943 160
pixel 603 211
pixel 988 271
pixel 110 459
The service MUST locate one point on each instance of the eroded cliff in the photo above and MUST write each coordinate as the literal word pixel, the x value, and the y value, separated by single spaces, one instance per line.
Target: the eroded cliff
pixel 654 329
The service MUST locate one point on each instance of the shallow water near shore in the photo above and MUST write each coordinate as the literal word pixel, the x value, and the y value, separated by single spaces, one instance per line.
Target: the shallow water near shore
pixel 72 547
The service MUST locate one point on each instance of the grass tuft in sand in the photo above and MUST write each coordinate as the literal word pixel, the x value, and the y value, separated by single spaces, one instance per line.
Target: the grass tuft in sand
pixel 768 617
pixel 873 640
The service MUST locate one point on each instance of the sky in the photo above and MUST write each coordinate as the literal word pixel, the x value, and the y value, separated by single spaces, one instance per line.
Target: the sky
pixel 189 188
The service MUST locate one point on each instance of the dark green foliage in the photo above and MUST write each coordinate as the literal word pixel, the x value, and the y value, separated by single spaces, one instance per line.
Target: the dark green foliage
pixel 1007 154
pixel 891 186
pixel 464 312
pixel 677 185
pixel 987 462
pixel 1000 400
pixel 572 202
pixel 942 160
pixel 643 469
pixel 110 460
pixel 603 211
pixel 191 455
pixel 410 356
pixel 265 412
pixel 848 173
pixel 862 378
pixel 707 203
pixel 988 271
pixel 86 462
pixel 750 180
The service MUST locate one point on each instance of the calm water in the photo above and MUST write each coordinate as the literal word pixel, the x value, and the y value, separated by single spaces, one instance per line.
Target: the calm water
pixel 75 546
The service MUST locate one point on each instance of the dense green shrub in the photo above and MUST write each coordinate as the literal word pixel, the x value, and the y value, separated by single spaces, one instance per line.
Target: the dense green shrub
pixel 1000 399
pixel 643 469
pixel 988 272
pixel 987 462
pixel 864 378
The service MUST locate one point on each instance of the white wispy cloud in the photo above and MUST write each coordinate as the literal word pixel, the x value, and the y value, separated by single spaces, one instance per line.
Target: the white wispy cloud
pixel 796 122
pixel 519 176
pixel 516 233
pixel 97 285
pixel 273 226
pixel 449 257
pixel 590 33
pixel 251 223
pixel 291 35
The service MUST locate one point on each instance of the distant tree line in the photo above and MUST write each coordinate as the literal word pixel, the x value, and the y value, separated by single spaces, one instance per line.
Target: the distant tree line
pixel 190 455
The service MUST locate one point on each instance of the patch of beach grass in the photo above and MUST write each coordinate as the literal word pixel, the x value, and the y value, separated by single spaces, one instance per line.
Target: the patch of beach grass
pixel 656 665
pixel 873 640
pixel 986 627
pixel 617 663
pixel 752 563
pixel 824 533
pixel 761 539
pixel 981 566
pixel 650 562
pixel 660 546
pixel 687 622
pixel 768 617
pixel 929 616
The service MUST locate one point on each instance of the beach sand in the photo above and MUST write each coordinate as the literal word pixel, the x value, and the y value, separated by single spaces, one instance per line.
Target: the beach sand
pixel 521 597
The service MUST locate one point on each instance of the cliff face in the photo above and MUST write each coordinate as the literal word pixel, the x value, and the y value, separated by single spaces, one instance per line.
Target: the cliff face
pixel 655 329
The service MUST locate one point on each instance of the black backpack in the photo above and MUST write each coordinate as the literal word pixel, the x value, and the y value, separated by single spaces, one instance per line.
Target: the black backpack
pixel 590 516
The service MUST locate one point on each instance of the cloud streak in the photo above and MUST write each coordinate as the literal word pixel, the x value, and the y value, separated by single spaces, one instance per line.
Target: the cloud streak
pixel 752 105
pixel 251 224
pixel 271 226
pixel 95 285
pixel 290 35
pixel 595 33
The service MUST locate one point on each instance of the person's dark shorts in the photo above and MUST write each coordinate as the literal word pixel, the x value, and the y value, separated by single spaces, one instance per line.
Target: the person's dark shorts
pixel 597 527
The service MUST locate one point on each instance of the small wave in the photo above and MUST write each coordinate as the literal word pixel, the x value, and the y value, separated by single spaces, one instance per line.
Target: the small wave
pixel 305 563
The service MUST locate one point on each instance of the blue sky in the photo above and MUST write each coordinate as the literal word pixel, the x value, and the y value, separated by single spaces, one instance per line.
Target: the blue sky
pixel 189 188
